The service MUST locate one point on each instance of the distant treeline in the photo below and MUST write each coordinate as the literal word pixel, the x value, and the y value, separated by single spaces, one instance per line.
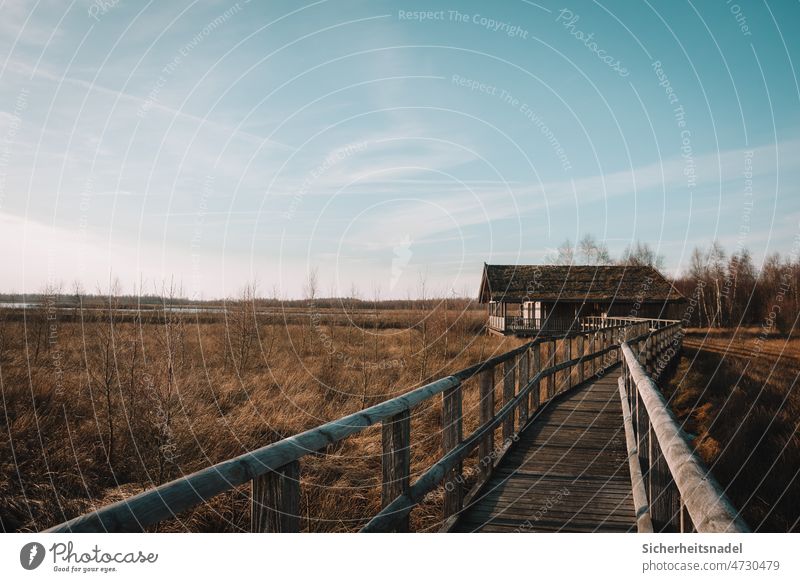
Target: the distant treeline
pixel 729 291
pixel 154 302
pixel 723 290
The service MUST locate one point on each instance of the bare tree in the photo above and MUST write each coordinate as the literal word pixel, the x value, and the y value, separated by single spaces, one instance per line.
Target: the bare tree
pixel 366 368
pixel 242 326
pixel 355 301
pixel 563 255
pixel 43 317
pixel 310 289
pixel 593 252
pixel 422 293
pixel 640 254
pixel 376 299
pixel 731 292
pixel 102 361
pixel 269 335
pixel 78 294
pixel 311 286
pixel 164 394
pixel 716 263
pixel 699 275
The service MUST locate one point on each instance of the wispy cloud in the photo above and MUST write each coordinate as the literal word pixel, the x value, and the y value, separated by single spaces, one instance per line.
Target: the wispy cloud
pixel 226 129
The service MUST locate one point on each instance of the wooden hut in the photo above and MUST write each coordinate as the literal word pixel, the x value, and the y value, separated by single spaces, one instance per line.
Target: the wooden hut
pixel 531 299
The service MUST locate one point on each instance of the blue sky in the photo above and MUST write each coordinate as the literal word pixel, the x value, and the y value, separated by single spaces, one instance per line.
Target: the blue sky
pixel 218 142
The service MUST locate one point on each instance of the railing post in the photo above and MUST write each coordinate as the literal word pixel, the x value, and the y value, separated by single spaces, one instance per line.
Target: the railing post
pixel 555 360
pixel 486 383
pixel 509 385
pixel 452 435
pixel 581 364
pixel 642 438
pixel 535 393
pixel 661 348
pixel 396 460
pixel 547 361
pixel 597 361
pixel 567 357
pixel 665 502
pixel 275 500
pixel 524 375
pixel 640 353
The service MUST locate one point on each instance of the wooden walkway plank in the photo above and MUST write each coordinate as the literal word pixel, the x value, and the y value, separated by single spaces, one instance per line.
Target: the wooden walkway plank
pixel 567 472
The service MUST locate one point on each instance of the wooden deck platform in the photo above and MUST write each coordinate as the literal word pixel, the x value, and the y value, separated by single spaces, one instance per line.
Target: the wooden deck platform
pixel 568 471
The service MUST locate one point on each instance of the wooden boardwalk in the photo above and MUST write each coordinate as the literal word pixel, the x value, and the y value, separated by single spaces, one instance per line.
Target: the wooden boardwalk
pixel 568 472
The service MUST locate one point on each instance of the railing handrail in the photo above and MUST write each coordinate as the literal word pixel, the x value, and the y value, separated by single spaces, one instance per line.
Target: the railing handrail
pixel 708 506
pixel 167 500
pixel 164 501
pixel 641 505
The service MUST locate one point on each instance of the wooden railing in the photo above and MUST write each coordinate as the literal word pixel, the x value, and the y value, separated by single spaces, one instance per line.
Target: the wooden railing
pixel 548 324
pixel 497 322
pixel 672 488
pixel 519 324
pixel 530 376
pixel 596 321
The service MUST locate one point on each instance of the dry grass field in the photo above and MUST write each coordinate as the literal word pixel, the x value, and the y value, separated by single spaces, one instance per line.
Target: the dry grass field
pixel 737 393
pixel 102 403
pixel 95 411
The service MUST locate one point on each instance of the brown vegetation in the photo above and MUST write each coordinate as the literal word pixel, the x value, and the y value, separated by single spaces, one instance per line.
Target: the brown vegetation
pixel 736 392
pixel 104 403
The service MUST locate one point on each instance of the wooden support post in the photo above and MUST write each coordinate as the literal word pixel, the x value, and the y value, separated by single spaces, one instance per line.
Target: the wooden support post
pixel 592 349
pixel 567 357
pixel 275 501
pixel 536 396
pixel 671 497
pixel 486 448
pixel 544 350
pixel 396 460
pixel 581 365
pixel 509 383
pixel 552 349
pixel 661 347
pixel 649 436
pixel 452 435
pixel 642 432
pixel 524 374
pixel 663 494
pixel 643 355
pixel 655 353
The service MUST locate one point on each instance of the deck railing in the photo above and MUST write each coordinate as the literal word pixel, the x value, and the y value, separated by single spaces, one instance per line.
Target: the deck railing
pixel 594 321
pixel 530 374
pixel 527 325
pixel 672 488
pixel 548 324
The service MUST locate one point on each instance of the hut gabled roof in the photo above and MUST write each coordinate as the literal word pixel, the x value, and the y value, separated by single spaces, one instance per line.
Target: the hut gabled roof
pixel 514 283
